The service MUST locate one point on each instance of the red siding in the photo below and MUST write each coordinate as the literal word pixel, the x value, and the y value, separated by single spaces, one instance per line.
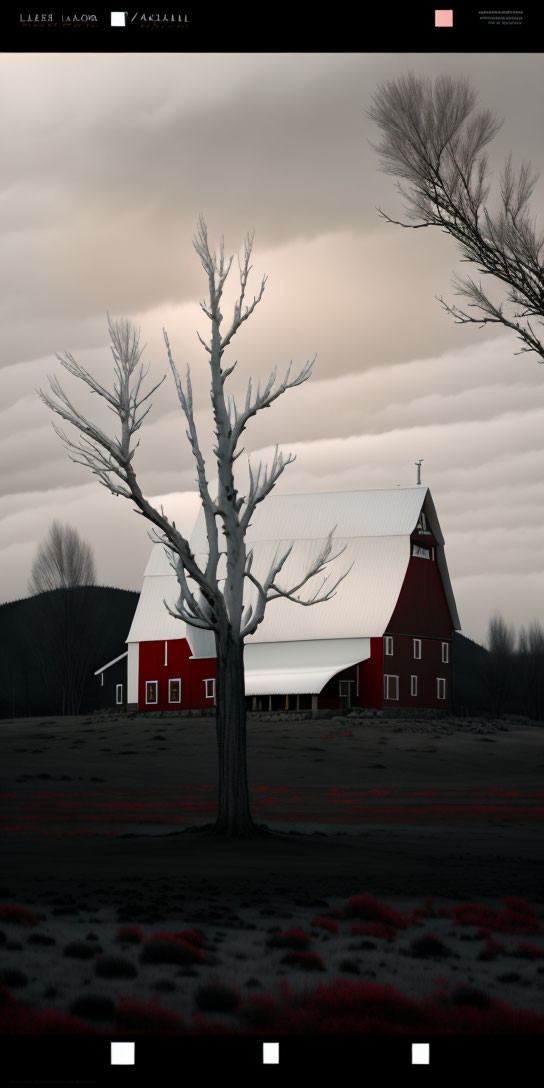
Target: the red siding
pixel 422 608
pixel 192 674
pixel 371 676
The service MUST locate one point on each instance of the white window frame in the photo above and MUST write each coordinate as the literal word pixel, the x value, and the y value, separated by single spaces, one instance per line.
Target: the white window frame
pixel 413 684
pixel 174 680
pixel 441 680
pixel 421 553
pixel 387 677
pixel 445 653
pixel 389 646
pixel 102 679
pixel 152 702
pixel 209 680
pixel 165 652
pixel 417 646
pixel 118 691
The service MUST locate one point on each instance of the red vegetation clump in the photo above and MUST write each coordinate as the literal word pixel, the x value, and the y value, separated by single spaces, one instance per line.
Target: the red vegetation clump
pixel 147 1016
pixel 335 912
pixel 344 1007
pixel 167 948
pixel 519 916
pixel 365 906
pixel 192 936
pixel 19 1020
pixel 324 922
pixel 491 950
pixel 130 934
pixel 529 951
pixel 373 929
pixel 18 916
pixel 296 939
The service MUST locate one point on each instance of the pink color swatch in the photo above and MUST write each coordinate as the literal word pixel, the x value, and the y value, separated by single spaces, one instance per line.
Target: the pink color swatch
pixel 443 18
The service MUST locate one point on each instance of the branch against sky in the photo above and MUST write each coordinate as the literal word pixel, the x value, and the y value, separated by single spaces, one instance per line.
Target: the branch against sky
pixel 433 138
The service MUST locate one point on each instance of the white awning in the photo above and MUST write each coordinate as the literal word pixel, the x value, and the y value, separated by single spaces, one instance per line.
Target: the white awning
pixel 110 663
pixel 291 668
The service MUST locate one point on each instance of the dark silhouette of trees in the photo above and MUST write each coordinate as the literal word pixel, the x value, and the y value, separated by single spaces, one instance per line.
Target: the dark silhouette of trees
pixel 211 593
pixel 433 138
pixel 531 669
pixel 499 673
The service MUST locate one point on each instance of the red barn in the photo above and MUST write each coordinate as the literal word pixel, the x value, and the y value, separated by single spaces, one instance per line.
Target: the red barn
pixel 383 641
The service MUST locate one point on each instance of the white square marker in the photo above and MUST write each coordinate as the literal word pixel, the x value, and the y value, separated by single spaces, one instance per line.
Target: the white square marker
pixel 122 1053
pixel 118 18
pixel 271 1053
pixel 420 1053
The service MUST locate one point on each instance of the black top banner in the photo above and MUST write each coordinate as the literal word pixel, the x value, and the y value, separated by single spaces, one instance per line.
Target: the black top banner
pixel 275 27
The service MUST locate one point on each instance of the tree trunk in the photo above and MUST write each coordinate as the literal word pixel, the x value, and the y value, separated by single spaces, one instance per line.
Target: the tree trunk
pixel 234 815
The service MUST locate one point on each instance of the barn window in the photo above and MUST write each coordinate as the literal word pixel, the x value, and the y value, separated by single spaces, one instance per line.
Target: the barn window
pixel 445 652
pixel 422 523
pixel 413 685
pixel 209 689
pixel 174 691
pixel 344 689
pixel 423 553
pixel 389 646
pixel 391 687
pixel 151 692
pixel 440 687
pixel 165 652
pixel 119 694
pixel 417 648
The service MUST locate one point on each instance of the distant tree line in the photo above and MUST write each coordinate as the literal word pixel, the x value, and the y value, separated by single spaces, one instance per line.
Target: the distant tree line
pixel 513 673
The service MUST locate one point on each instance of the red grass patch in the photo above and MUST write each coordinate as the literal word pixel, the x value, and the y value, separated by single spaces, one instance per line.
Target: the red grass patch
pixel 167 948
pixel 345 1008
pixel 492 950
pixel 147 1016
pixel 529 951
pixel 519 916
pixel 192 936
pixel 373 929
pixel 130 934
pixel 323 922
pixel 335 912
pixel 18 916
pixel 365 906
pixel 19 1020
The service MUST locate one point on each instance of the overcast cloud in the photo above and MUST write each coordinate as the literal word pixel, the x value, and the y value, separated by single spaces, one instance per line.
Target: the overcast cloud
pixel 109 159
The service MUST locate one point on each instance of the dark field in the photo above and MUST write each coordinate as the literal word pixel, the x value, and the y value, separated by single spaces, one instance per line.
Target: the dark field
pixel 382 815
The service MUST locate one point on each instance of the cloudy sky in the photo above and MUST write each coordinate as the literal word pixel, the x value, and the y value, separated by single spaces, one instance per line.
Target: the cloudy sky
pixel 108 161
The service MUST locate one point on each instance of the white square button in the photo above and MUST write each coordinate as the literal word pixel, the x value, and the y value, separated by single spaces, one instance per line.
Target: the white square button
pixel 420 1053
pixel 122 1053
pixel 271 1053
pixel 118 18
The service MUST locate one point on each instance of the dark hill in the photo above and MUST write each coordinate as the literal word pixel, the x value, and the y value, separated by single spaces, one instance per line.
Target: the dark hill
pixel 51 644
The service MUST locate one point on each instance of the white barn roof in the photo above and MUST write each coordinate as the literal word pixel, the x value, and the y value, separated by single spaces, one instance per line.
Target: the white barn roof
pixel 374 526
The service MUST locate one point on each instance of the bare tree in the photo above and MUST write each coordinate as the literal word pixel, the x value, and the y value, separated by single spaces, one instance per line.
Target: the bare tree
pixel 434 139
pixel 210 598
pixel 63 560
pixel 531 659
pixel 499 670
